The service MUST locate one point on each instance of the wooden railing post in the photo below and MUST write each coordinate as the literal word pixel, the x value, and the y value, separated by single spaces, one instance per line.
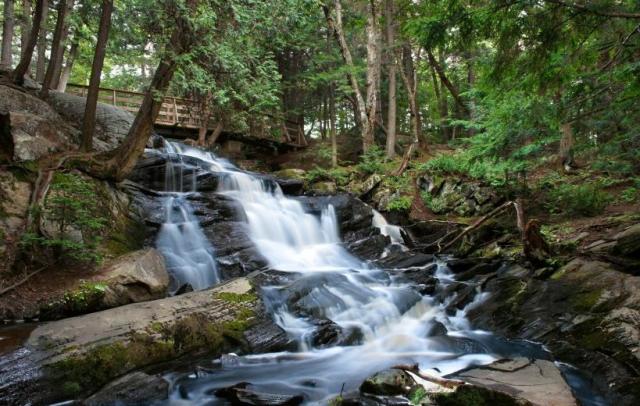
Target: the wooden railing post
pixel 114 97
pixel 175 111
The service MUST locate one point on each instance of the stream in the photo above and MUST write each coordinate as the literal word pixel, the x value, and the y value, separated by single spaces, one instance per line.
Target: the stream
pixel 383 319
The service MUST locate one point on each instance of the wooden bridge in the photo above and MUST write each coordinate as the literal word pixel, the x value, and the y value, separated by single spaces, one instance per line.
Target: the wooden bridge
pixel 181 118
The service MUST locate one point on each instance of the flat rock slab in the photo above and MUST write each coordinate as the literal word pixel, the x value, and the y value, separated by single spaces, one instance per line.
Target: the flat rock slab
pixel 537 381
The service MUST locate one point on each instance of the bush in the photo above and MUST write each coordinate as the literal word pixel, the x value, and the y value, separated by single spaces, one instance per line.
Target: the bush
pixel 629 195
pixel 587 199
pixel 372 161
pixel 72 208
pixel 339 175
pixel 400 203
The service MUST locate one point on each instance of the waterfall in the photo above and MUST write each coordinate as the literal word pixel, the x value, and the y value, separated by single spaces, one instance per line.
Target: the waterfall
pixel 188 253
pixel 384 319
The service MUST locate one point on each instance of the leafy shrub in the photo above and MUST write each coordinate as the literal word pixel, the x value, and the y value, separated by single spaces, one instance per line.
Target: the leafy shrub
pixel 72 208
pixel 587 199
pixel 629 195
pixel 372 161
pixel 400 203
pixel 434 204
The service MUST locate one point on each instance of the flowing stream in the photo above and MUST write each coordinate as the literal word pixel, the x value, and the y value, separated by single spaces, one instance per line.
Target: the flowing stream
pixel 384 320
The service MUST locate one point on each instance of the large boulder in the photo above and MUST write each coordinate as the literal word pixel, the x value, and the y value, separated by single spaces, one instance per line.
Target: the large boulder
pixel 135 277
pixel 112 123
pixel 71 358
pixel 15 193
pixel 586 313
pixel 30 127
pixel 535 382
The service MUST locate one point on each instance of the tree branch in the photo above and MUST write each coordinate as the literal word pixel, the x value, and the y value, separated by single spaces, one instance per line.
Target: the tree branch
pixel 601 13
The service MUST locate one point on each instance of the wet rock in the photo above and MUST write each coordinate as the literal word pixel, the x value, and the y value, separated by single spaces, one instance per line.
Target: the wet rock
pixel 293 187
pixel 354 216
pixel 538 382
pixel 266 336
pixel 329 334
pixel 369 248
pixel 390 382
pixel 244 394
pixel 427 233
pixel 66 359
pixel 580 312
pixel 437 329
pixel 404 260
pixel 185 288
pixel 136 388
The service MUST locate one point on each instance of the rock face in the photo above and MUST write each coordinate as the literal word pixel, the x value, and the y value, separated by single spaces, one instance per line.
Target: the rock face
pixel 112 123
pixel 136 277
pixel 31 128
pixel 132 389
pixel 14 203
pixel 587 313
pixel 537 382
pixel 72 357
pixel 460 197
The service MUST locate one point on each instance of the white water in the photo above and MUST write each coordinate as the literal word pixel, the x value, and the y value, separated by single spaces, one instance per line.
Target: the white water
pixel 391 319
pixel 188 253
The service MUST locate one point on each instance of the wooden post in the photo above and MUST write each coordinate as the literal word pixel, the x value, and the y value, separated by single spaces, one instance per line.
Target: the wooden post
pixel 114 97
pixel 175 111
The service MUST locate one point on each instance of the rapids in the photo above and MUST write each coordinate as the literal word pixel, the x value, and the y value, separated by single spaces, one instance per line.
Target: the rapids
pixel 387 321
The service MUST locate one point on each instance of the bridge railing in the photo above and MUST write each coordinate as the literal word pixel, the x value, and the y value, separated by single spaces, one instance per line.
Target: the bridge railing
pixel 180 112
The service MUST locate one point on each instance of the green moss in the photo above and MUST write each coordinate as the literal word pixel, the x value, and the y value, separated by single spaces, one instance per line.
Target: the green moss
pixel 237 297
pixel 585 301
pixel 195 333
pixel 84 299
pixel 468 395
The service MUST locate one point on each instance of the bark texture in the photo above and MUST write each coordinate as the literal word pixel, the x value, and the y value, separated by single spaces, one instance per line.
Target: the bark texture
pixel 42 44
pixel 392 109
pixel 89 121
pixel 57 48
pixel 25 60
pixel 7 34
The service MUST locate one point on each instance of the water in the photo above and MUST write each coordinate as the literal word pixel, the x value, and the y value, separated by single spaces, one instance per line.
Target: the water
pixel 189 255
pixel 384 321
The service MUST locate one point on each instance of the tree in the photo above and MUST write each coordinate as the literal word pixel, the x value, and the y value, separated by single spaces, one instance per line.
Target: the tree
pixel 89 120
pixel 57 67
pixel 25 59
pixel 25 21
pixel 41 62
pixel 7 34
pixel 374 66
pixel 392 113
pixel 57 48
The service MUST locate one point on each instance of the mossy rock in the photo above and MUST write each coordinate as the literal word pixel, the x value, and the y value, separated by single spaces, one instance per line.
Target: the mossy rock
pixel 470 395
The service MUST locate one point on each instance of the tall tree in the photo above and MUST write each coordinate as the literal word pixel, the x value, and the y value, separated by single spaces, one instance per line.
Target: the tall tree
pixel 57 48
pixel 124 158
pixel 41 62
pixel 66 71
pixel 25 25
pixel 410 79
pixel 7 34
pixel 392 109
pixel 332 124
pixel 89 120
pixel 374 66
pixel 25 59
pixel 57 67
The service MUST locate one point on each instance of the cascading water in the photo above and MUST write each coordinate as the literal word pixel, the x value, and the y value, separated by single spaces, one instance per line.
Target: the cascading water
pixel 384 319
pixel 189 255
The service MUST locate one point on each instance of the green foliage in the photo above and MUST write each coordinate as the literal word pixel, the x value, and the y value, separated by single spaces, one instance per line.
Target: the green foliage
pixel 400 203
pixel 630 194
pixel 587 199
pixel 372 161
pixel 72 210
pixel 434 204
pixel 338 175
pixel 418 396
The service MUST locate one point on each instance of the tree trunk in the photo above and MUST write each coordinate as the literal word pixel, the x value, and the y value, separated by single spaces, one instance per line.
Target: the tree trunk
pixel 332 125
pixel 57 48
pixel 25 60
pixel 446 82
pixel 216 133
pixel 89 121
pixel 409 78
pixel 565 152
pixel 442 105
pixel 373 72
pixel 125 156
pixel 57 67
pixel 392 108
pixel 336 27
pixel 25 26
pixel 42 44
pixel 66 71
pixel 7 35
